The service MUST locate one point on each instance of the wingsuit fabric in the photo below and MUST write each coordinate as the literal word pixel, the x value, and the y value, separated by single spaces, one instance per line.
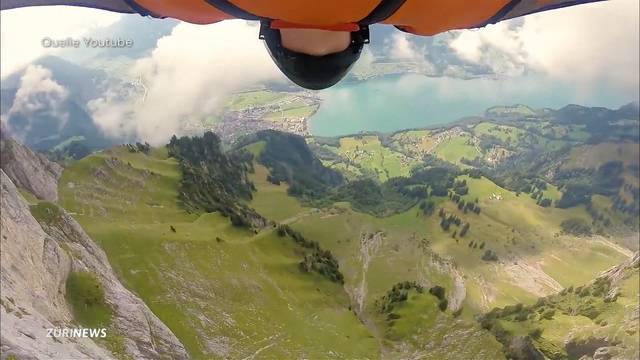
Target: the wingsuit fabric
pixel 420 17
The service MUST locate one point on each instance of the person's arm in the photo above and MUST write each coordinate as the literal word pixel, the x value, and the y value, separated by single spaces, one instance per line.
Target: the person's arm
pixel 121 6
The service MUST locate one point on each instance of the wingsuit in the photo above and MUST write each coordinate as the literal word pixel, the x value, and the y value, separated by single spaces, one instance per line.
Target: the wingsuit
pixel 419 17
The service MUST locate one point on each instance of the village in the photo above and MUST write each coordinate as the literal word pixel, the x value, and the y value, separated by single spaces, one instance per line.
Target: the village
pixel 289 113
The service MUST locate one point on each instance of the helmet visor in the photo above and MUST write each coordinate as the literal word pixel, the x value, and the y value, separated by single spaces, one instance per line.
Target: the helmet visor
pixel 309 71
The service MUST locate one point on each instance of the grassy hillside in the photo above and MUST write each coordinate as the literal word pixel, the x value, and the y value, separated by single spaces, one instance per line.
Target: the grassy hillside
pixel 596 318
pixel 224 291
pixel 374 254
pixel 561 158
pixel 534 259
pixel 373 158
pixel 518 206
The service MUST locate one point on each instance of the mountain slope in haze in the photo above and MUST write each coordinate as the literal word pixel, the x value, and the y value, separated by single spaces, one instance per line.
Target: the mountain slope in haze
pixel 30 171
pixel 54 276
pixel 429 55
pixel 83 83
pixel 143 31
pixel 52 108
pixel 85 74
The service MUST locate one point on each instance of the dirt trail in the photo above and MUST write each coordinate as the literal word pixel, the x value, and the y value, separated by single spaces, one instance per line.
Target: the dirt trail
pixel 530 277
pixel 445 266
pixel 488 292
pixel 274 340
pixel 299 216
pixel 369 245
pixel 622 250
pixel 459 291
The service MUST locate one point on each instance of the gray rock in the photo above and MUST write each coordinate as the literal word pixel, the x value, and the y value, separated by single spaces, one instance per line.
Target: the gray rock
pixel 521 348
pixel 34 270
pixel 616 273
pixel 146 337
pixel 36 260
pixel 603 353
pixel 576 348
pixel 29 170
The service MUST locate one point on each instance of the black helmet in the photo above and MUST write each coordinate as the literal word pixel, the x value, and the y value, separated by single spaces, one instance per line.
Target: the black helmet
pixel 313 72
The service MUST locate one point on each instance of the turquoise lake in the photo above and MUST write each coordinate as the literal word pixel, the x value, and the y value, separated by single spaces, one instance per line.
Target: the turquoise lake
pixel 394 103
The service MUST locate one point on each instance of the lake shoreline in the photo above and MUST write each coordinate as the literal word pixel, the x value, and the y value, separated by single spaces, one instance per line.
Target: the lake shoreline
pixel 397 102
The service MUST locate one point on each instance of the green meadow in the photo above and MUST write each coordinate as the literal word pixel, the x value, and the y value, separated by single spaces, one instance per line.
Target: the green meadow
pixel 515 227
pixel 228 292
pixel 368 156
pixel 292 111
pixel 225 292
pixel 249 99
pixel 457 148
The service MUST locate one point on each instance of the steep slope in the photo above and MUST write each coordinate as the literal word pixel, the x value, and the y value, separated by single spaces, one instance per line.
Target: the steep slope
pixel 598 320
pixel 44 252
pixel 225 291
pixel 33 287
pixel 144 336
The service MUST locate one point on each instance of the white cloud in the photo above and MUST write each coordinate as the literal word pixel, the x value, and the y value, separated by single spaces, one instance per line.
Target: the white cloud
pixel 498 47
pixel 22 31
pixel 38 94
pixel 365 62
pixel 403 49
pixel 585 45
pixel 187 78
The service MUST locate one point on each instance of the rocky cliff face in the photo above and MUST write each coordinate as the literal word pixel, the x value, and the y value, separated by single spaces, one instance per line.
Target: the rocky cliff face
pixel 624 342
pixel 36 260
pixel 29 170
pixel 618 272
pixel 34 269
pixel 145 336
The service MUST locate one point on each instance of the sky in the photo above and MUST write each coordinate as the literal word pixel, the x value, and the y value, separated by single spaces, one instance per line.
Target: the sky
pixel 193 70
pixel 22 31
pixel 588 44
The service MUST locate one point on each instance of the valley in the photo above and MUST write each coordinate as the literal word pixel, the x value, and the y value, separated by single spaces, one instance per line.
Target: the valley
pixel 460 209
